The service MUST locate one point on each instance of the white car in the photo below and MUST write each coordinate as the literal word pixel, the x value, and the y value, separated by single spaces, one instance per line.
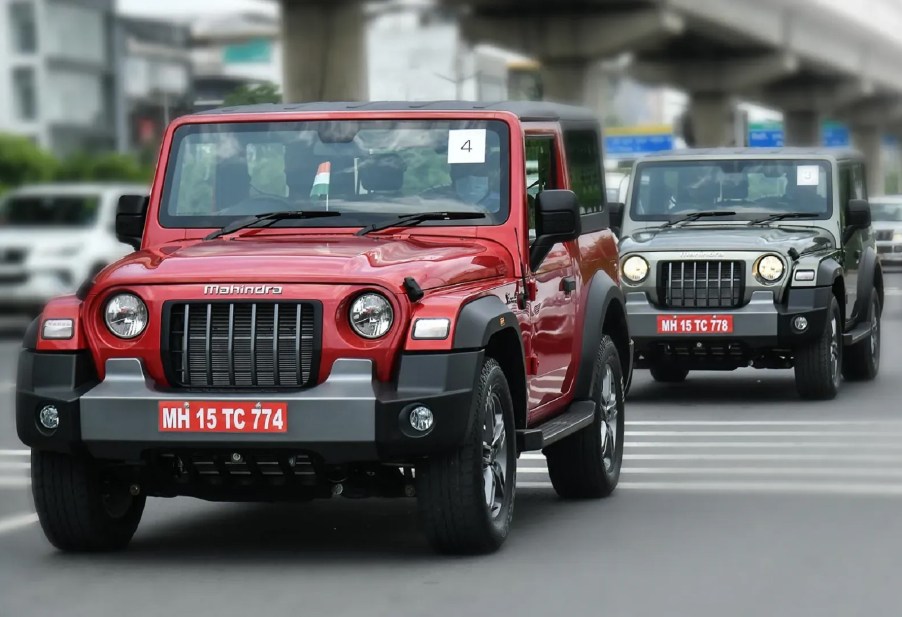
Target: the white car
pixel 886 217
pixel 617 186
pixel 55 236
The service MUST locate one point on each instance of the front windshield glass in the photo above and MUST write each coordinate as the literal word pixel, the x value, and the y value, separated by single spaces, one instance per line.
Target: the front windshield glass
pixel 369 171
pixel 49 211
pixel 887 212
pixel 753 189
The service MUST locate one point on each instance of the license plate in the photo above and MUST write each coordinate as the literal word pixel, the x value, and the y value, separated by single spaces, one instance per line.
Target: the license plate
pixel 695 324
pixel 222 417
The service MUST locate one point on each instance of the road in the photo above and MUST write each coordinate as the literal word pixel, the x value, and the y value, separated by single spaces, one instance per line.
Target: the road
pixel 736 499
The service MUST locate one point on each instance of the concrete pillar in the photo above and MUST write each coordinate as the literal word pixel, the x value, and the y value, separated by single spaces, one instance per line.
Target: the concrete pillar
pixel 868 140
pixel 711 116
pixel 324 50
pixel 565 82
pixel 802 128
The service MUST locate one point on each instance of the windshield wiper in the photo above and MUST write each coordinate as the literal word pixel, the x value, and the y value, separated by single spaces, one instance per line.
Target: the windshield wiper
pixel 694 216
pixel 416 219
pixel 785 215
pixel 268 219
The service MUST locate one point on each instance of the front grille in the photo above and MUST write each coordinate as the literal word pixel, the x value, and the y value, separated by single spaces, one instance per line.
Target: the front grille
pixel 13 279
pixel 701 284
pixel 884 235
pixel 236 469
pixel 242 344
pixel 12 256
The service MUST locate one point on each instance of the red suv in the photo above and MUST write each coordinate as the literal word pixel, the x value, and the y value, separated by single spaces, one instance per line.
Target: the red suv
pixel 340 299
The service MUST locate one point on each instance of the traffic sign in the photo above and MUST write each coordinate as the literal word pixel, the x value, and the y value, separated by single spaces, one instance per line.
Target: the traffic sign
pixel 638 139
pixel 835 134
pixel 765 135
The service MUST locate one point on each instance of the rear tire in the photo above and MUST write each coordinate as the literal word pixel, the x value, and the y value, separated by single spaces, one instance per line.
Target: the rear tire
pixel 818 365
pixel 861 362
pixel 668 373
pixel 79 511
pixel 586 465
pixel 466 497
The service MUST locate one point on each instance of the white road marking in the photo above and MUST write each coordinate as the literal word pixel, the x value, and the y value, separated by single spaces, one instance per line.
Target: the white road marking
pixel 15 465
pixel 13 523
pixel 15 452
pixel 746 471
pixel 892 291
pixel 835 458
pixel 795 488
pixel 762 434
pixel 776 445
pixel 15 482
pixel 729 423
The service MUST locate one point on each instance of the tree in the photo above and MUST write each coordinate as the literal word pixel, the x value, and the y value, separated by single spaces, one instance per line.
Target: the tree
pixel 22 161
pixel 253 95
pixel 103 167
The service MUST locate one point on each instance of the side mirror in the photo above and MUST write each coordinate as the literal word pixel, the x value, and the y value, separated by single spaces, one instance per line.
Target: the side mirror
pixel 131 214
pixel 859 214
pixel 557 220
pixel 615 216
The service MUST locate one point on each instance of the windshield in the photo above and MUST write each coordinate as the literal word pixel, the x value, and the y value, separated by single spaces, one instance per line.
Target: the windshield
pixel 369 171
pixel 887 212
pixel 753 189
pixel 49 211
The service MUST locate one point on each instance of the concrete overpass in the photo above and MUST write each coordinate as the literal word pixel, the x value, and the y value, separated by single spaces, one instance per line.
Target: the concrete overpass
pixel 810 58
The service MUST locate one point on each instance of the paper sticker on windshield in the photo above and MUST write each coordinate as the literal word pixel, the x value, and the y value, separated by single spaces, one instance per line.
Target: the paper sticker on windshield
pixel 466 146
pixel 808 175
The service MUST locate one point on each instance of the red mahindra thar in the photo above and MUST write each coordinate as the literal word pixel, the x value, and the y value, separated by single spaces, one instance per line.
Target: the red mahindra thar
pixel 372 299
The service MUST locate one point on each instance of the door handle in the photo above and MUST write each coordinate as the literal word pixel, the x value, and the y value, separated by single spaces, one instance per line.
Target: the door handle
pixel 568 285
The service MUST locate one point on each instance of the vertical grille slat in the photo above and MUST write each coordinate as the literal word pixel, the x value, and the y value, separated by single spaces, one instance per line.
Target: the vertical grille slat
pixel 242 344
pixel 693 284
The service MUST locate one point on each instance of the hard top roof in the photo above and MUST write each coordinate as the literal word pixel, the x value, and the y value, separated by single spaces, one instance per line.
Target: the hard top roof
pixel 840 154
pixel 527 111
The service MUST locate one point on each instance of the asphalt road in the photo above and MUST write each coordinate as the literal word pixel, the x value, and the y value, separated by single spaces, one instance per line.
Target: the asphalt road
pixel 736 499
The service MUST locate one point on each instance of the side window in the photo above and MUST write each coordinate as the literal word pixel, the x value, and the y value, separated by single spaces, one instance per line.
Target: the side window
pixel 584 165
pixel 539 173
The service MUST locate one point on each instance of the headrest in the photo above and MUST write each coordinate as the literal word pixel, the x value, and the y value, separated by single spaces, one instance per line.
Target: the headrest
pixel 382 172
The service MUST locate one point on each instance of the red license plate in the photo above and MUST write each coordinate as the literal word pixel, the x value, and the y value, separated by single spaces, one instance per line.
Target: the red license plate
pixel 695 324
pixel 222 417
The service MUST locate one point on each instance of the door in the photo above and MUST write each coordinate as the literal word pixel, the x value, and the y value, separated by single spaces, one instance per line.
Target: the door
pixel 553 309
pixel 854 247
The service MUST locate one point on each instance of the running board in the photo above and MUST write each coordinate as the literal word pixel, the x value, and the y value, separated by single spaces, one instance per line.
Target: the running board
pixel 578 416
pixel 858 334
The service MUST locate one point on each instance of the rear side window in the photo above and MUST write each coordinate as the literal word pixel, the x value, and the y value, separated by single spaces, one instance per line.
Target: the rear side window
pixel 583 148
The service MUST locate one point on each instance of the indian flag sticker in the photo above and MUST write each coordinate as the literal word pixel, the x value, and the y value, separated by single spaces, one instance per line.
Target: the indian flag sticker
pixel 321 181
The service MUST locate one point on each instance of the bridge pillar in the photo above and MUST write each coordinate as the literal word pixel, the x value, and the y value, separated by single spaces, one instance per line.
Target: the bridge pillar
pixel 565 81
pixel 802 128
pixel 868 139
pixel 712 117
pixel 324 50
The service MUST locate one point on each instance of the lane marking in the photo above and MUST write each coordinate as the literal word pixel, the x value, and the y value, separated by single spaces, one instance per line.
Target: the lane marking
pixel 762 434
pixel 13 523
pixel 746 471
pixel 15 452
pixel 21 482
pixel 794 488
pixel 776 445
pixel 16 465
pixel 838 458
pixel 763 423
pixel 892 291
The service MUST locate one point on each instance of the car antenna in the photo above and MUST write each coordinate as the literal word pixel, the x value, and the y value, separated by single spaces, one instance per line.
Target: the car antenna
pixel 521 297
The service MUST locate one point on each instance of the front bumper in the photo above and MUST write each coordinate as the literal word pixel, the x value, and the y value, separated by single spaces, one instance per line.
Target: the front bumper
pixel 759 325
pixel 27 289
pixel 350 417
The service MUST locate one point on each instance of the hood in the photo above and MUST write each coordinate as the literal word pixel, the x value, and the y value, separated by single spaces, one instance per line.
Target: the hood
pixel 728 238
pixel 336 259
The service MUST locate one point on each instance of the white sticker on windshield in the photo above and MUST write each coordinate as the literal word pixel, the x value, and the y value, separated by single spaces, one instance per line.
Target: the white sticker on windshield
pixel 808 175
pixel 466 146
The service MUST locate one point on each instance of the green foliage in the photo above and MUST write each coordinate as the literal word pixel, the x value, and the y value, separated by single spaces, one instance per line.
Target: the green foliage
pixel 21 161
pixel 254 95
pixel 103 167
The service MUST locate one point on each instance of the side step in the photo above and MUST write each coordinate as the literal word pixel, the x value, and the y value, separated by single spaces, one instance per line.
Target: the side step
pixel 858 334
pixel 578 416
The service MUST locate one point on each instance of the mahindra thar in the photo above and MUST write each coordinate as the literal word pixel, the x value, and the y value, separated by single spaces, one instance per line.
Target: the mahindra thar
pixel 370 299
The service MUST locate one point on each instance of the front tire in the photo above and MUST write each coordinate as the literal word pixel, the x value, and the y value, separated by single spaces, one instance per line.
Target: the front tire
pixel 861 362
pixel 818 365
pixel 587 464
pixel 466 497
pixel 80 510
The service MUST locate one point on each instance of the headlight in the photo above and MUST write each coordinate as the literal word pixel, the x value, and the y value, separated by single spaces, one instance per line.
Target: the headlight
pixel 897 236
pixel 371 315
pixel 769 268
pixel 125 315
pixel 635 269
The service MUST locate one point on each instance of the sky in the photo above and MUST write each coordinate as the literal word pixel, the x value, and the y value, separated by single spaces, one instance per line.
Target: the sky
pixel 188 8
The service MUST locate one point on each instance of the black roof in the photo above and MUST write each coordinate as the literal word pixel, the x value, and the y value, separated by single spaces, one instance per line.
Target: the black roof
pixel 528 111
pixel 837 153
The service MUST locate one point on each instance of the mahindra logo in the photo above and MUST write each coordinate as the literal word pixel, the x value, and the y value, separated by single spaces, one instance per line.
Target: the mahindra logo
pixel 234 290
pixel 701 255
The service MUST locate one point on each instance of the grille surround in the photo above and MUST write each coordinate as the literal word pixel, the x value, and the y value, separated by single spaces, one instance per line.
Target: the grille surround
pixel 701 284
pixel 236 349
pixel 884 235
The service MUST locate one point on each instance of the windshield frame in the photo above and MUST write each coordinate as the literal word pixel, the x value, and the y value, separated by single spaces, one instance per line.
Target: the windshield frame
pixel 349 220
pixel 740 217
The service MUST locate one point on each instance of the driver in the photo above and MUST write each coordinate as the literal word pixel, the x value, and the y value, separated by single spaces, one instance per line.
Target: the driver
pixel 478 183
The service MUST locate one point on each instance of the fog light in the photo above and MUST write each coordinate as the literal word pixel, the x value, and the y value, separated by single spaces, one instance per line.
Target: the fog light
pixel 49 417
pixel 799 323
pixel 421 418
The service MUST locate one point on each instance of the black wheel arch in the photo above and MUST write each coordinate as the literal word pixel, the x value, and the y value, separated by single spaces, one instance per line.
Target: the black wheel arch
pixel 605 313
pixel 870 276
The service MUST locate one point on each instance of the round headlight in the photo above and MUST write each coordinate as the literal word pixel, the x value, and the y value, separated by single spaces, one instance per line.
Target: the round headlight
pixel 635 269
pixel 125 315
pixel 371 315
pixel 770 268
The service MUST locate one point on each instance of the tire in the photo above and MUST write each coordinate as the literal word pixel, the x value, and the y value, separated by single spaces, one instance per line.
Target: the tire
pixel 77 511
pixel 818 365
pixel 586 465
pixel 668 373
pixel 452 489
pixel 861 362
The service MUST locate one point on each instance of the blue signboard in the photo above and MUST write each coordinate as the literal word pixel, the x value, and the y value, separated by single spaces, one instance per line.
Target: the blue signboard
pixel 637 140
pixel 835 135
pixel 766 135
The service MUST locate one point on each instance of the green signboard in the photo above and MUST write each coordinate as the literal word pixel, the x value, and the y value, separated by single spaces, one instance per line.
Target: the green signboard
pixel 253 51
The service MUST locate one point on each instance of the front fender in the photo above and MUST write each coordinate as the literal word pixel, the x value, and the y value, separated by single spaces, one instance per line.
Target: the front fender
pixel 867 275
pixel 603 293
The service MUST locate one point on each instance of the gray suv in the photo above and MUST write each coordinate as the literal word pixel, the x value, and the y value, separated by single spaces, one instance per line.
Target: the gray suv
pixel 747 257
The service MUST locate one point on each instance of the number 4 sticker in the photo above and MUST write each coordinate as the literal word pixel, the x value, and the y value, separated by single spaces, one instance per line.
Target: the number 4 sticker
pixel 466 146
